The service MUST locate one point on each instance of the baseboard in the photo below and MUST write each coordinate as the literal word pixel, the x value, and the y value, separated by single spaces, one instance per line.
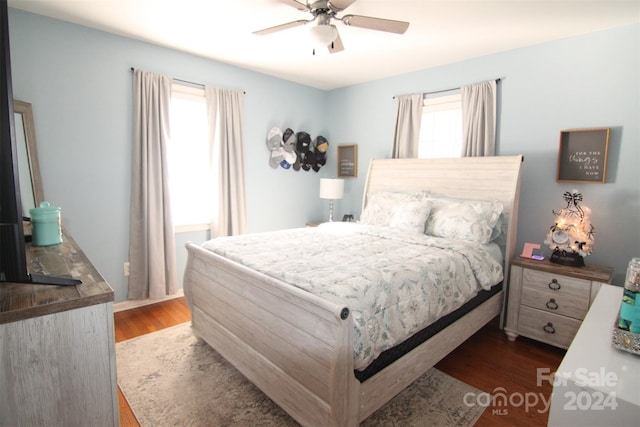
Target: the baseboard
pixel 128 305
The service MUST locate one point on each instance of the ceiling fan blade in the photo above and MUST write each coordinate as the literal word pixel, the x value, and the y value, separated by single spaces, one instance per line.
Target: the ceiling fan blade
pixel 296 4
pixel 339 5
pixel 280 27
pixel 336 46
pixel 388 25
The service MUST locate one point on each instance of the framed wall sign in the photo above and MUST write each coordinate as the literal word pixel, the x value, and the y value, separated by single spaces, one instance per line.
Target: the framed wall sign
pixel 348 161
pixel 582 156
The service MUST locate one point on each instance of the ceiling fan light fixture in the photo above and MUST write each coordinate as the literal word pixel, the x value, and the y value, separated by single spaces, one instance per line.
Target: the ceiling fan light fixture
pixel 323 34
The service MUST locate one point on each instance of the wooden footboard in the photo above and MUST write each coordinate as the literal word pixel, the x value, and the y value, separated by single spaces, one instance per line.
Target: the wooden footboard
pixel 297 348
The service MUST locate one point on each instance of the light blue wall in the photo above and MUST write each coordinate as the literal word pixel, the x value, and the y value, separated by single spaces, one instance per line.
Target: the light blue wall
pixel 581 82
pixel 79 83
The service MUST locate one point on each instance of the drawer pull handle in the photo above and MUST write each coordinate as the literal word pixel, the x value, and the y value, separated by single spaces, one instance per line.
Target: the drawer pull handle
pixel 548 328
pixel 554 284
pixel 552 304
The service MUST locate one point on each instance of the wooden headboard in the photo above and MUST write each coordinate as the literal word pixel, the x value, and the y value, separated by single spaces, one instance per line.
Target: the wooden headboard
pixel 475 178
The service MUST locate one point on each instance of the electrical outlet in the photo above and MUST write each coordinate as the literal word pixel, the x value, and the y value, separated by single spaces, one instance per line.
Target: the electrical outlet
pixel 126 268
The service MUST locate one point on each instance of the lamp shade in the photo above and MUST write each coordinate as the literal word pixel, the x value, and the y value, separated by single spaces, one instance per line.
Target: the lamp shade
pixel 331 188
pixel 323 34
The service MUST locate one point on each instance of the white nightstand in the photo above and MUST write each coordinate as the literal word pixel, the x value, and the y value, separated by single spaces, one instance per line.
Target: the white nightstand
pixel 548 301
pixel 597 384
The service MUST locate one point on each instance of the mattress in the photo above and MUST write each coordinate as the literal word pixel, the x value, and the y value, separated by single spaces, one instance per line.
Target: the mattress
pixel 390 355
pixel 395 283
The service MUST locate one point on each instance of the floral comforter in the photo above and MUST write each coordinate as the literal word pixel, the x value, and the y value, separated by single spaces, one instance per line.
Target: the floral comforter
pixel 395 283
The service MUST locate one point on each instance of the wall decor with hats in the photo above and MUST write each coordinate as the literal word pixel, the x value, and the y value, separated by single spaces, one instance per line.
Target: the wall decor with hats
pixel 291 150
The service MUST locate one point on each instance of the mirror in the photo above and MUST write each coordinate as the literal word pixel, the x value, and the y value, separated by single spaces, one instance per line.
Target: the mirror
pixel 28 167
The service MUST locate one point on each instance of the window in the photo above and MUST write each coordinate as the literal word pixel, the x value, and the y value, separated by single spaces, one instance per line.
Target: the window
pixel 191 175
pixel 441 127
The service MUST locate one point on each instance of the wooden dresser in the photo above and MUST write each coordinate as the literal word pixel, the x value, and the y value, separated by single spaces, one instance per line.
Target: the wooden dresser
pixel 57 346
pixel 547 301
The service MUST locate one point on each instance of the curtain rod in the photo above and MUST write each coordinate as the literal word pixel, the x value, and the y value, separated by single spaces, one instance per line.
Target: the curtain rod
pixel 187 82
pixel 453 88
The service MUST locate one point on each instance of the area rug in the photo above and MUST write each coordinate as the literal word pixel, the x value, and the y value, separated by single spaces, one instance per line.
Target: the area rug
pixel 171 378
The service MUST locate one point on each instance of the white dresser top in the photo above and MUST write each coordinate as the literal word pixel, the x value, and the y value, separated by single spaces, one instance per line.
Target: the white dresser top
pixel 592 358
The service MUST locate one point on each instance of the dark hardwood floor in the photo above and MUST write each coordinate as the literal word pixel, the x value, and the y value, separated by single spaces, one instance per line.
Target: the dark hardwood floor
pixel 487 361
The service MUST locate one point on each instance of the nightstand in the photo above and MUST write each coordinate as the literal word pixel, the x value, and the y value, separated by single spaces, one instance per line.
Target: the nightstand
pixel 547 301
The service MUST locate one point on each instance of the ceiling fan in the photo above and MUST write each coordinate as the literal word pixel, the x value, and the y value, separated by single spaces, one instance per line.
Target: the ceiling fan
pixel 325 33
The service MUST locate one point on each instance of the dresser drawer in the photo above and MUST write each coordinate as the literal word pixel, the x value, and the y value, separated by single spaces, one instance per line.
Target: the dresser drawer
pixel 547 327
pixel 565 301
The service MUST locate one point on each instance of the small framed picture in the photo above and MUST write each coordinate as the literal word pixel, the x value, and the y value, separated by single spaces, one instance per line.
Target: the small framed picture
pixel 348 161
pixel 582 156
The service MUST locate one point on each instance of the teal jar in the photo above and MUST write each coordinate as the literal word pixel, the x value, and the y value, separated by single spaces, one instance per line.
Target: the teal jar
pixel 46 225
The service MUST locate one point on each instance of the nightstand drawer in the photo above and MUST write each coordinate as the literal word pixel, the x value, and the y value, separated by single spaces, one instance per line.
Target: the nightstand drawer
pixel 547 327
pixel 545 281
pixel 565 301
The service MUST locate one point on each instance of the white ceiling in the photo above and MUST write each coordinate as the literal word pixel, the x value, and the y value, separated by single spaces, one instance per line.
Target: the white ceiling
pixel 440 32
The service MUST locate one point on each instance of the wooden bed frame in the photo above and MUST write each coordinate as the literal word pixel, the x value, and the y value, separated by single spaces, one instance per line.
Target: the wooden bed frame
pixel 298 348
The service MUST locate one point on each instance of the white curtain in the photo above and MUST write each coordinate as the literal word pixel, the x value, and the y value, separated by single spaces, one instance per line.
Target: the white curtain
pixel 479 119
pixel 407 132
pixel 225 121
pixel 152 250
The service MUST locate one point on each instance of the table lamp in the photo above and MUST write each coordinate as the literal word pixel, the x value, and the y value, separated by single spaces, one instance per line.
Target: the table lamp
pixel 332 189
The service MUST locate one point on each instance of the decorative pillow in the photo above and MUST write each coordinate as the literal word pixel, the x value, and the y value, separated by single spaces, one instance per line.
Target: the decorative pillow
pixel 472 220
pixel 411 215
pixel 408 211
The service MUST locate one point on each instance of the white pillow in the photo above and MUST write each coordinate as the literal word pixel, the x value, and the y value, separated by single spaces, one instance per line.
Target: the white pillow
pixel 407 211
pixel 411 216
pixel 472 220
